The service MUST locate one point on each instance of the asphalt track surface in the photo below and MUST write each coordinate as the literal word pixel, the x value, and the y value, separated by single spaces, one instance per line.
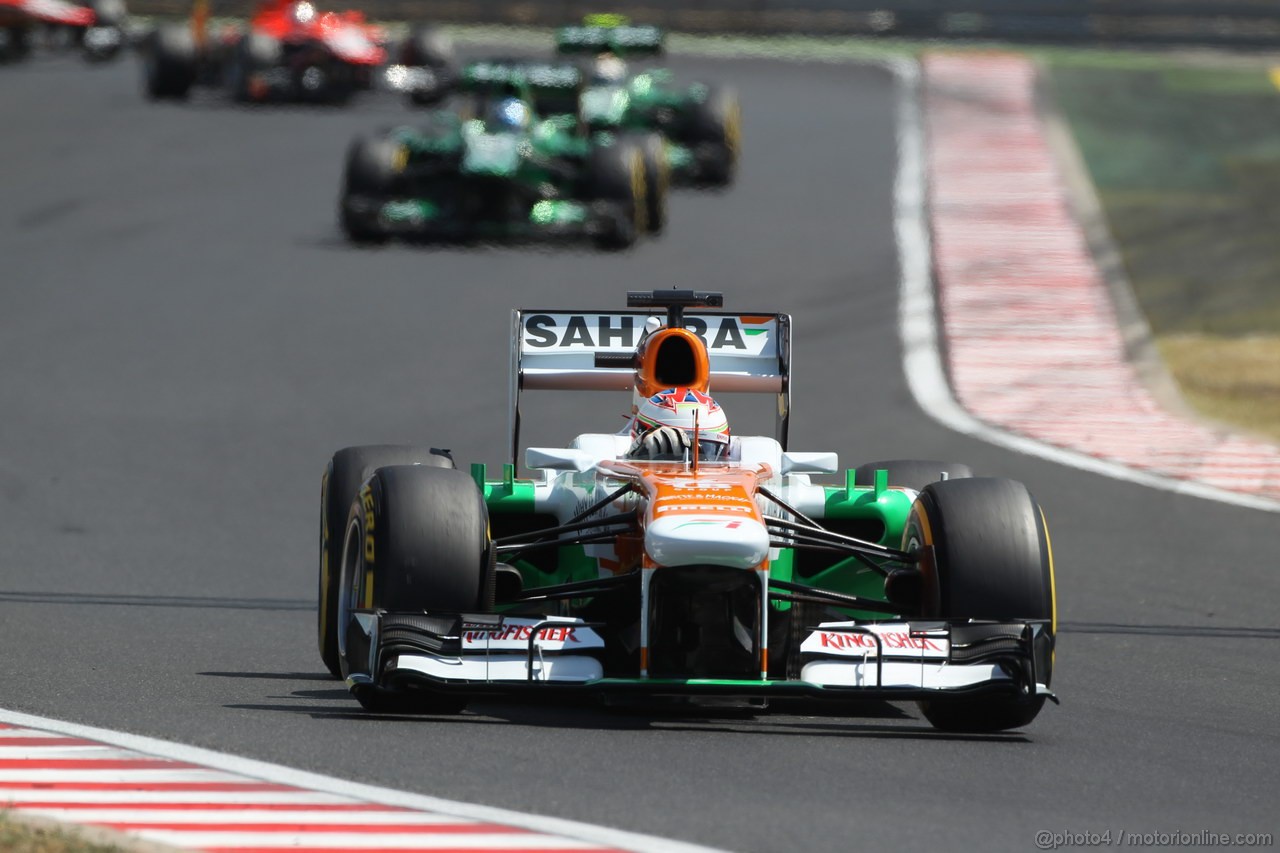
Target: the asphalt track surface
pixel 184 339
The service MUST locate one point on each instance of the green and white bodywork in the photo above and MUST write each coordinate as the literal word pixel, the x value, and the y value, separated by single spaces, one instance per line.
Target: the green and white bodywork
pixel 454 176
pixel 701 124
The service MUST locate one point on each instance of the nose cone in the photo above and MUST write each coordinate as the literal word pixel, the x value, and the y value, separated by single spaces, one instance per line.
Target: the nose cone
pixel 686 540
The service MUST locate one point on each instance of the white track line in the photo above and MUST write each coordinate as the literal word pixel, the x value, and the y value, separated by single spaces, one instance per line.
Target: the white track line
pixel 354 841
pixel 141 815
pixel 313 789
pixel 917 312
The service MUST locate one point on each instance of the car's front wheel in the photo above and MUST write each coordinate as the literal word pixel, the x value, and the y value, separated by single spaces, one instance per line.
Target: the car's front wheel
pixel 991 561
pixel 371 177
pixel 343 476
pixel 417 539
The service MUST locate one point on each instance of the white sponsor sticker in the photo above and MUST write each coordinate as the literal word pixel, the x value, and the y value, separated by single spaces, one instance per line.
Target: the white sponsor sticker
pixel 513 635
pixel 669 506
pixel 743 336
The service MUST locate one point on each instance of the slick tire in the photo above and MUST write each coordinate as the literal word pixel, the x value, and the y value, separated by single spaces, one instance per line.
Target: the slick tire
pixel 657 178
pixel 109 15
pixel 417 538
pixel 343 476
pixel 254 53
pixel 992 560
pixel 717 125
pixel 616 178
pixel 371 176
pixel 169 62
pixel 95 52
pixel 911 473
pixel 430 48
pixel 15 42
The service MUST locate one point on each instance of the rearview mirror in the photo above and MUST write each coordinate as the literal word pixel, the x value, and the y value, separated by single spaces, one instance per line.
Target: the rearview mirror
pixel 558 459
pixel 810 463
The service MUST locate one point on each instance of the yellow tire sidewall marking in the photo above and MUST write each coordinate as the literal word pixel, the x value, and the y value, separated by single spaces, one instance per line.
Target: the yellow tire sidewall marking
pixel 1052 579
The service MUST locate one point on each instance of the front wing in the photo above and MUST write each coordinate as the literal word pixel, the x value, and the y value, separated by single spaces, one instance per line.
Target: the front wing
pixel 425 219
pixel 489 654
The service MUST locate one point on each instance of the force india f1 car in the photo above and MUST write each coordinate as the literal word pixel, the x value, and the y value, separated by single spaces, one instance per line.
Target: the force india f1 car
pixel 499 170
pixel 741 579
pixel 293 52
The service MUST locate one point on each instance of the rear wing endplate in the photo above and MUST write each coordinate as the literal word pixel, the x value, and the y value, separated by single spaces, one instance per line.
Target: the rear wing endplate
pixel 556 350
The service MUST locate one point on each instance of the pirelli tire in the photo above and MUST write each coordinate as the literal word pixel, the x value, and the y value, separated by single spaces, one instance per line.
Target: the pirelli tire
pixel 716 123
pixel 417 539
pixel 15 42
pixel 107 37
pixel 616 181
pixel 346 472
pixel 370 177
pixel 254 54
pixel 430 48
pixel 657 178
pixel 911 473
pixel 992 560
pixel 169 62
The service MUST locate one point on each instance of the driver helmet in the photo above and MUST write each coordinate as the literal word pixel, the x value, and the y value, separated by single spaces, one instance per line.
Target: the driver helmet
pixel 509 115
pixel 302 12
pixel 608 70
pixel 686 409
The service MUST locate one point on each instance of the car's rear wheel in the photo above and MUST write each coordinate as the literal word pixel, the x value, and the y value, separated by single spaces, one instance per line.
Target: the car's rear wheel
pixel 717 129
pixel 343 476
pixel 15 42
pixel 104 40
pixel 992 560
pixel 431 49
pixel 169 62
pixel 616 179
pixel 657 178
pixel 417 539
pixel 254 54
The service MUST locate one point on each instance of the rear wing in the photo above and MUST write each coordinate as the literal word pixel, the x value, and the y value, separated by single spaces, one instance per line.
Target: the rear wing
pixel 623 40
pixel 558 350
pixel 547 84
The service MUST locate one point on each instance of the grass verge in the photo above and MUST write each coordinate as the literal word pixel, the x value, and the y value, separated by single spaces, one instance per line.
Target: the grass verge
pixel 1236 380
pixel 1186 161
pixel 24 837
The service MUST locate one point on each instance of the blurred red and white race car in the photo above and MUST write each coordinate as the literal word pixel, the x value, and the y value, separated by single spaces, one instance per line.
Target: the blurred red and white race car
pixel 293 52
pixel 97 28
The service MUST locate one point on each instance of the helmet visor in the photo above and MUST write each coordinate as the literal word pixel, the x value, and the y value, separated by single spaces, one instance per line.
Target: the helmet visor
pixel 711 450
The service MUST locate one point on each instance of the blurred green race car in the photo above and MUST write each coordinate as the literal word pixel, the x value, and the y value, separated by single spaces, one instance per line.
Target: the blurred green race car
pixel 701 124
pixel 501 168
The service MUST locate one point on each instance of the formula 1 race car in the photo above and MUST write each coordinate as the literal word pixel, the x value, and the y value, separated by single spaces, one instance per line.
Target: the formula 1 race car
pixel 499 170
pixel 96 28
pixel 701 124
pixel 699 577
pixel 293 53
